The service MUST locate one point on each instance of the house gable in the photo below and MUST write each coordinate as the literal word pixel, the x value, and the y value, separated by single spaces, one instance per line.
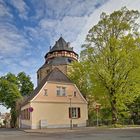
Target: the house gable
pixel 56 78
pixel 51 96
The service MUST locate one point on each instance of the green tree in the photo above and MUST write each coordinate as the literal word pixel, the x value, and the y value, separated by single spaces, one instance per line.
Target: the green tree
pixel 9 94
pixel 12 89
pixel 112 59
pixel 81 73
pixel 113 48
pixel 25 84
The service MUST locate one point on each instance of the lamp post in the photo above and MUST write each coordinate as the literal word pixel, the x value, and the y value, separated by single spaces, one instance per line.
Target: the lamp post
pixel 70 98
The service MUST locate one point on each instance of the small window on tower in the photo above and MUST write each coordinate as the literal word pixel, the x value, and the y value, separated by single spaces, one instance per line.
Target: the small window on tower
pixel 47 71
pixel 37 76
pixel 69 60
pixel 45 92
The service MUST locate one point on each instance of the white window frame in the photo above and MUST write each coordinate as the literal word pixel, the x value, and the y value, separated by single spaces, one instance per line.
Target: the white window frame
pixel 74 112
pixel 63 91
pixel 60 91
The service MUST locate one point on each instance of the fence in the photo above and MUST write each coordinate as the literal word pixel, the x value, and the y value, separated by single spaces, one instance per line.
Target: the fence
pixel 109 122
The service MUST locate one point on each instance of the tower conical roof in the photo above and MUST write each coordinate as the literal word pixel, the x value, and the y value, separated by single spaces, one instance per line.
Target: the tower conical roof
pixel 61 44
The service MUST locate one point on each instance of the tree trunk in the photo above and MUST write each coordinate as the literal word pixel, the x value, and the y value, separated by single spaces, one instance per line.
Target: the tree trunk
pixel 13 118
pixel 114 111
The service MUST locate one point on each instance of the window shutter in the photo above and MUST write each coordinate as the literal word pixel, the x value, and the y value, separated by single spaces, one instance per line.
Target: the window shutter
pixel 69 112
pixel 79 113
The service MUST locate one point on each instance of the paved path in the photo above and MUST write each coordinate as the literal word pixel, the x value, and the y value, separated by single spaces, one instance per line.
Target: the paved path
pixel 85 134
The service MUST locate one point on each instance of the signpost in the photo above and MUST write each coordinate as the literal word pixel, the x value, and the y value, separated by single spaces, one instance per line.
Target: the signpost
pixel 31 109
pixel 70 97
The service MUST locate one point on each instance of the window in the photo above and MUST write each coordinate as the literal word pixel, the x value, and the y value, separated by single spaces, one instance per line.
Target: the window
pixel 58 91
pixel 37 76
pixel 45 92
pixel 47 71
pixel 74 112
pixel 69 60
pixel 74 93
pixel 61 91
pixel 25 114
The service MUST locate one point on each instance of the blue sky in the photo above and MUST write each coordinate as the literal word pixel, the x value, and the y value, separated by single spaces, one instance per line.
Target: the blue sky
pixel 29 27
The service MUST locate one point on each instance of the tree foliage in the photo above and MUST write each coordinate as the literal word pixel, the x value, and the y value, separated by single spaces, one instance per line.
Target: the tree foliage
pixel 12 89
pixel 112 51
pixel 25 84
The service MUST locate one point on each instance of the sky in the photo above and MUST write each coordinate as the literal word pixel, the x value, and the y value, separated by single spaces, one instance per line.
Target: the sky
pixel 29 27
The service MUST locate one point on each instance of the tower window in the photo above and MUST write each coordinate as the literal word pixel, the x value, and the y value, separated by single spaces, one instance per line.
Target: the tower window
pixel 47 71
pixel 69 60
pixel 37 76
pixel 45 92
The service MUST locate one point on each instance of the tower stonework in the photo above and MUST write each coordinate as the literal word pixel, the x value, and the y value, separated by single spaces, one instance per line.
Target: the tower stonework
pixel 60 56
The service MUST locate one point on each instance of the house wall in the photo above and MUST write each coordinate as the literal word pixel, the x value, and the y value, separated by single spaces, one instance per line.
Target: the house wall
pixel 1 121
pixel 25 123
pixel 56 114
pixel 53 109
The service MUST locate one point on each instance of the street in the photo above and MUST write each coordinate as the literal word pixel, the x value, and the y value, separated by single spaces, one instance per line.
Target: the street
pixel 86 134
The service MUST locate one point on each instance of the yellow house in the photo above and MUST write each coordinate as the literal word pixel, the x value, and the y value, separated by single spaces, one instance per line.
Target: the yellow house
pixel 56 102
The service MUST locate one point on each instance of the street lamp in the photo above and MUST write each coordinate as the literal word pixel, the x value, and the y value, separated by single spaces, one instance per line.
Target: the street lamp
pixel 70 98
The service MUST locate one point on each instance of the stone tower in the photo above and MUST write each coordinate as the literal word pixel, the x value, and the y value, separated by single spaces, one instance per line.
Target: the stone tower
pixel 60 56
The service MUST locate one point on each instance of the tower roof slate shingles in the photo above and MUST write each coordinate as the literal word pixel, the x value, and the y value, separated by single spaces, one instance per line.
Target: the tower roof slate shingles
pixel 61 44
pixel 54 76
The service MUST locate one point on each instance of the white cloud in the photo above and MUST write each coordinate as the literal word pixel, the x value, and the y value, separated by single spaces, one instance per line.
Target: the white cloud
pixel 65 17
pixel 56 17
pixel 22 8
pixel 11 40
pixel 60 8
pixel 71 18
pixel 48 23
pixel 93 19
pixel 18 64
pixel 69 27
pixel 26 63
pixel 82 8
pixel 3 109
pixel 4 11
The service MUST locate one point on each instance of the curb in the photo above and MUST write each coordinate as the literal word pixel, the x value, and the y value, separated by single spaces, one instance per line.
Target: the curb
pixel 58 131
